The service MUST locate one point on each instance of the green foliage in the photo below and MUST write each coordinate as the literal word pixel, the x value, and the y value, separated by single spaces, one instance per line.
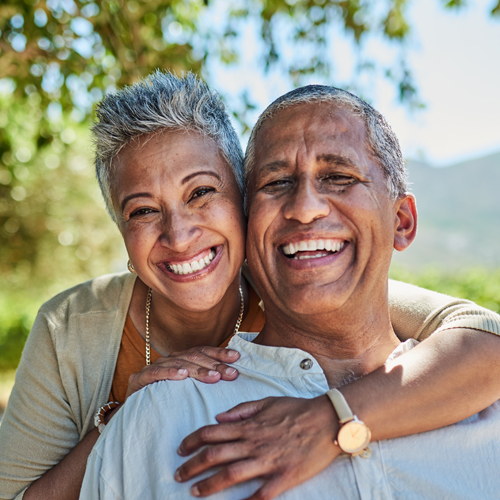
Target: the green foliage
pixel 495 11
pixel 479 285
pixel 70 51
pixel 51 219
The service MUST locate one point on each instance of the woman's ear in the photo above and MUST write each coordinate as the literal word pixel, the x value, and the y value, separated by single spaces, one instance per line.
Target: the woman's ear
pixel 405 222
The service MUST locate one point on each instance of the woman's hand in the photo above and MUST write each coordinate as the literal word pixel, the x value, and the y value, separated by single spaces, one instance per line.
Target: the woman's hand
pixel 206 364
pixel 284 440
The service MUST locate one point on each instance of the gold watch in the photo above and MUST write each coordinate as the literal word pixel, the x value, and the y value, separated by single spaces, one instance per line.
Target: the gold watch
pixel 354 436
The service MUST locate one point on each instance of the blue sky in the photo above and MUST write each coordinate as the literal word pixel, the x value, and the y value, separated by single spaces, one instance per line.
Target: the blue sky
pixel 455 58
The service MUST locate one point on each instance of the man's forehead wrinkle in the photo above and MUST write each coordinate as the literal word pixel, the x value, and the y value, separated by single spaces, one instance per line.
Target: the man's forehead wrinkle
pixel 335 159
pixel 274 166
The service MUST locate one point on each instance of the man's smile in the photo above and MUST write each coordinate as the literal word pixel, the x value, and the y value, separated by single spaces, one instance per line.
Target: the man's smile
pixel 313 253
pixel 313 249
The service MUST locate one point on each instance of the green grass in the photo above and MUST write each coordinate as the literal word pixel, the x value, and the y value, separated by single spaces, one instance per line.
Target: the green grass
pixel 477 284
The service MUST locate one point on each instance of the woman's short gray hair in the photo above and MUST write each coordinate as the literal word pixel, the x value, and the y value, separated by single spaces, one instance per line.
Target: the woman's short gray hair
pixel 382 140
pixel 161 101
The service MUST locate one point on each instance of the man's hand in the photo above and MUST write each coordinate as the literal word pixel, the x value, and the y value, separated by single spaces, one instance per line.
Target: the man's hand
pixel 206 364
pixel 284 440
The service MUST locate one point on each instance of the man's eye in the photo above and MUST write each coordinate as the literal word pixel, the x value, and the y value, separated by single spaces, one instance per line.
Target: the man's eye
pixel 277 184
pixel 198 193
pixel 339 179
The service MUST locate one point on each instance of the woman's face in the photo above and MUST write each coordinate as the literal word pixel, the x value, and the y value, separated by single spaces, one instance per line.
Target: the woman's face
pixel 180 214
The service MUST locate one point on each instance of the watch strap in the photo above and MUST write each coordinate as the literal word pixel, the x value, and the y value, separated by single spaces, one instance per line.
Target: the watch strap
pixel 343 410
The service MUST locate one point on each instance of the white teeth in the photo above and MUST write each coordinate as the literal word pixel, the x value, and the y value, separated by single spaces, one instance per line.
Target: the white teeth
pixel 196 265
pixel 329 245
pixel 317 256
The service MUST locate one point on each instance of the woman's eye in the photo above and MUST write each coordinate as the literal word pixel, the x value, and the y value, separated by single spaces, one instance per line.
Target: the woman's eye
pixel 141 211
pixel 201 192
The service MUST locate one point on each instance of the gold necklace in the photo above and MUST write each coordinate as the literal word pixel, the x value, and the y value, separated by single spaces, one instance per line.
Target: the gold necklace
pixel 148 309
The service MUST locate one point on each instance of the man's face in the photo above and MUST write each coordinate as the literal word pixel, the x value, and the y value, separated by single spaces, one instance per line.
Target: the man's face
pixel 321 222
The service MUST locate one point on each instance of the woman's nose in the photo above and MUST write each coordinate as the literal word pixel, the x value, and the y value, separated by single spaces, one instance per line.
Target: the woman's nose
pixel 179 231
pixel 306 204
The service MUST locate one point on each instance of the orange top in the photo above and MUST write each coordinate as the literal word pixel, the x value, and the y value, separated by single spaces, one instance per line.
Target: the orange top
pixel 132 353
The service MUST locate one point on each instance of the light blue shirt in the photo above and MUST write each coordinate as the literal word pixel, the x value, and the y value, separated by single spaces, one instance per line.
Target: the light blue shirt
pixel 135 458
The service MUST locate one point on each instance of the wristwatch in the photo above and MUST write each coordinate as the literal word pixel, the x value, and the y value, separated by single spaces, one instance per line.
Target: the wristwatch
pixel 354 436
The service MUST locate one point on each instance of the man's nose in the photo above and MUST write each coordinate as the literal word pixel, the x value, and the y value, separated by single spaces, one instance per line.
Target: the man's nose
pixel 179 231
pixel 306 204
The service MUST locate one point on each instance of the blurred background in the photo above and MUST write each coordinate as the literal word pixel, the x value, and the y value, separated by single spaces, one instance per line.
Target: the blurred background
pixel 432 67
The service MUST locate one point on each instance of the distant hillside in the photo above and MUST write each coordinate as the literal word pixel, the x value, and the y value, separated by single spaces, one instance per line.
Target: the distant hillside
pixel 459 215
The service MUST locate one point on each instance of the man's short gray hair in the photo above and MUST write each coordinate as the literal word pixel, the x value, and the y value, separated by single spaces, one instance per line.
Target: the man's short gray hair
pixel 382 140
pixel 161 102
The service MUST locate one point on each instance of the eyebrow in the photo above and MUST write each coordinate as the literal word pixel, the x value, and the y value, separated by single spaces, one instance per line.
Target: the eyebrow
pixel 201 172
pixel 274 166
pixel 333 159
pixel 132 196
pixel 336 160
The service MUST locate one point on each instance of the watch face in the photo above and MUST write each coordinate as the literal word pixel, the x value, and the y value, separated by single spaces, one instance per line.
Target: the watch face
pixel 354 436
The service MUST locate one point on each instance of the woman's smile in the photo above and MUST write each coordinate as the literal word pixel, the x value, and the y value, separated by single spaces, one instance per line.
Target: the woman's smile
pixel 196 267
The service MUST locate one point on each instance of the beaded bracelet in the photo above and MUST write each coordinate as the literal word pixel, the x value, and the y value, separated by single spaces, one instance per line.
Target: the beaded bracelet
pixel 99 416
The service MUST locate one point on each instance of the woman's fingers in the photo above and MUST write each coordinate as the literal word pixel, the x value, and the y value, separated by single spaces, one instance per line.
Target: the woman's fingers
pixel 210 358
pixel 209 434
pixel 287 441
pixel 155 373
pixel 234 473
pixel 241 412
pixel 219 353
pixel 207 355
pixel 209 457
pixel 206 364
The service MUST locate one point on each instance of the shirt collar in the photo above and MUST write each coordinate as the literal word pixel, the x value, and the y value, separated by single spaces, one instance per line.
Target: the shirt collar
pixel 286 361
pixel 274 361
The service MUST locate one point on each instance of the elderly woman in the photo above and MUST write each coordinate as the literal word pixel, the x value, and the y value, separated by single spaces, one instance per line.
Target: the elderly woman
pixel 170 168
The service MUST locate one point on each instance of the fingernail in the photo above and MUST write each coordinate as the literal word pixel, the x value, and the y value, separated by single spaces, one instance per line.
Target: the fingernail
pixel 195 491
pixel 232 353
pixel 179 451
pixel 230 371
pixel 212 373
pixel 177 476
pixel 182 371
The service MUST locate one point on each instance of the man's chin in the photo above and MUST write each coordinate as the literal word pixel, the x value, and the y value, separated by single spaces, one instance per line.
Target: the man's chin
pixel 313 300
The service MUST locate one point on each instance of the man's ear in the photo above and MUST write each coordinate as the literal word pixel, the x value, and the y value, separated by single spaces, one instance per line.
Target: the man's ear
pixel 405 222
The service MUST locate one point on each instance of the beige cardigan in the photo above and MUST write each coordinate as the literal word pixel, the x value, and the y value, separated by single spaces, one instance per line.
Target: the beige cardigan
pixel 67 366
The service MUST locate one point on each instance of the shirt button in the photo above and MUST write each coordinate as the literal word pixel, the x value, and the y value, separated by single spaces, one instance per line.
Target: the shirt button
pixel 306 364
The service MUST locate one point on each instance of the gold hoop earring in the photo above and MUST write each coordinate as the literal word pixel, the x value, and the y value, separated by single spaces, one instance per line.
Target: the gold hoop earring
pixel 130 267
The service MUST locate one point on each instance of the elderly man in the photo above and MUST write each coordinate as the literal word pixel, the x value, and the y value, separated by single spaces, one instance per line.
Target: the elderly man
pixel 327 204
